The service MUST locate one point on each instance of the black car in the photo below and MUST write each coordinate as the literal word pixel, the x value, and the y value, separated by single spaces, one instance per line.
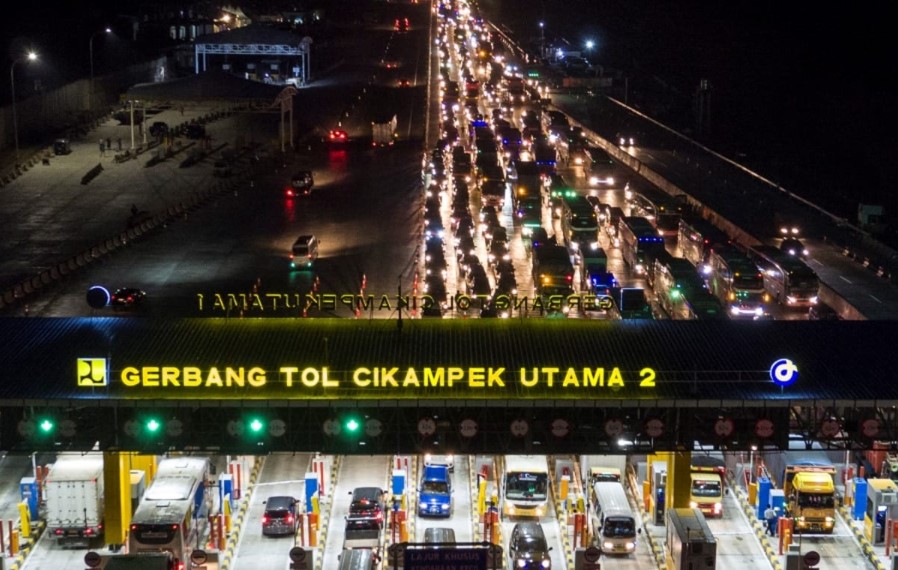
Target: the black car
pixel 279 518
pixel 367 504
pixel 822 312
pixel 127 297
pixel 301 184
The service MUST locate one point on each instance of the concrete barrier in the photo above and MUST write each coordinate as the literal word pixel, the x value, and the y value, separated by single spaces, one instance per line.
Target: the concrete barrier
pixel 45 277
pixel 54 273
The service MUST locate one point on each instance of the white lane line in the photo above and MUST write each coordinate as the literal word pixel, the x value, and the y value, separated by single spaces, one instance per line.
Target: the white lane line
pixel 875 299
pixel 844 279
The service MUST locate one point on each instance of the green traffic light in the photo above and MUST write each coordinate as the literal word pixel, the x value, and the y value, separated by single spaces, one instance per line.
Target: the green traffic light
pixel 352 425
pixel 256 425
pixel 153 425
pixel 46 425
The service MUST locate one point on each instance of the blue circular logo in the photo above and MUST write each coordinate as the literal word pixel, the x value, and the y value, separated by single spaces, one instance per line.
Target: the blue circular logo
pixel 783 372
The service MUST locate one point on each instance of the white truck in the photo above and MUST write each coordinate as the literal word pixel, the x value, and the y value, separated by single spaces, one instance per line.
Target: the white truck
pixel 383 131
pixel 74 498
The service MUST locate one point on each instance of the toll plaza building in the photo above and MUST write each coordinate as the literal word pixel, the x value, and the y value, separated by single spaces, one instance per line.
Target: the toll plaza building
pixel 135 388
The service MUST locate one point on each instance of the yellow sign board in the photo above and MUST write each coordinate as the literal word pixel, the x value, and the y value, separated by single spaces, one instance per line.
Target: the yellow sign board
pixel 372 382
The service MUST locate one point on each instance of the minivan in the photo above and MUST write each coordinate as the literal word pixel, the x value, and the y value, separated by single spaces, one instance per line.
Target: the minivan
pixel 527 548
pixel 304 252
pixel 279 518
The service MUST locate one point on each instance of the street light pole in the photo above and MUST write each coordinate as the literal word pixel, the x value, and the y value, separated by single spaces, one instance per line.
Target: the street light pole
pixel 91 48
pixel 30 56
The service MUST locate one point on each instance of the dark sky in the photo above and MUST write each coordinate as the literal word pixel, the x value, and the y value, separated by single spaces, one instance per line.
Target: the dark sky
pixel 805 88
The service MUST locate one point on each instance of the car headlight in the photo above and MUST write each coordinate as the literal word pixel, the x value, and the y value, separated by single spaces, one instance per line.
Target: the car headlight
pixel 546 563
pixel 521 563
pixel 693 505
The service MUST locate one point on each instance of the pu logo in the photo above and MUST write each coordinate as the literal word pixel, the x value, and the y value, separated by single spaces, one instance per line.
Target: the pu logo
pixel 92 373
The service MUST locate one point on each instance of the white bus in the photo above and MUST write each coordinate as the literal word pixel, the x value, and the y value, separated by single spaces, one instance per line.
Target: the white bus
pixel 173 511
pixel 613 520
pixel 525 486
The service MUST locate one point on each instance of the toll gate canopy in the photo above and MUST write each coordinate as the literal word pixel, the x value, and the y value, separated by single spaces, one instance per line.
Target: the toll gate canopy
pixel 369 386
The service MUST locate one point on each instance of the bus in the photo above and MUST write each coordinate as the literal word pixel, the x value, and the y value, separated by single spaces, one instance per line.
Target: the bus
pixel 614 524
pixel 662 210
pixel 696 237
pixel 173 511
pixel 700 305
pixel 579 219
pixel 674 279
pixel 525 486
pixel 690 542
pixel 639 243
pixel 737 283
pixel 787 278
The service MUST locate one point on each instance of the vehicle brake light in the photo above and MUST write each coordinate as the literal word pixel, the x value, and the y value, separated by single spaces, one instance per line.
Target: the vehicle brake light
pixel 265 519
pixel 289 519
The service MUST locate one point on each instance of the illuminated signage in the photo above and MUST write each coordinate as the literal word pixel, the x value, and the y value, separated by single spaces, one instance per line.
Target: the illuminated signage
pixel 92 372
pixel 372 382
pixel 783 372
pixel 291 302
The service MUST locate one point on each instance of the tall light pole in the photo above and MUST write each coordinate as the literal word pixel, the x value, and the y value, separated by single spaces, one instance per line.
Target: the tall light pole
pixel 30 56
pixel 542 40
pixel 91 47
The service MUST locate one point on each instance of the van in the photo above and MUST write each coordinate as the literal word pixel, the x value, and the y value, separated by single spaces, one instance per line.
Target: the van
pixel 444 537
pixel 279 518
pixel 527 547
pixel 304 252
pixel 358 559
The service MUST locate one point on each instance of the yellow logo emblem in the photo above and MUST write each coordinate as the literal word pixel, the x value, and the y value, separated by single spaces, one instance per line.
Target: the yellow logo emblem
pixel 92 373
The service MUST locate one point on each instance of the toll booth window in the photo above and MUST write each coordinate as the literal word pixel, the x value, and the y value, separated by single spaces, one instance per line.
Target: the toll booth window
pixel 706 488
pixel 815 501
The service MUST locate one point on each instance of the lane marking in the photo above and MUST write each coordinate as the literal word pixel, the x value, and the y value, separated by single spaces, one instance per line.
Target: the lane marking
pixel 842 277
pixel 875 299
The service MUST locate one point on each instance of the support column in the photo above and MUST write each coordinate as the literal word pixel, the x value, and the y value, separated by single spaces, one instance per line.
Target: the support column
pixel 678 478
pixel 117 489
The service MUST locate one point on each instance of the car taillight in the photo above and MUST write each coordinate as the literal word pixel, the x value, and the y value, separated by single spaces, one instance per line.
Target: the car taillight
pixel 58 532
pixel 290 193
pixel 265 519
pixel 289 519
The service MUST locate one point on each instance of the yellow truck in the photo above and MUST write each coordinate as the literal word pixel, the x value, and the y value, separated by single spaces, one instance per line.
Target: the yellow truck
pixel 810 494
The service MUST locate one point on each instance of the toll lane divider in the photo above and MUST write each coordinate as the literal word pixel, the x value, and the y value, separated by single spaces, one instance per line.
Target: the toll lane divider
pixel 26 545
pixel 655 546
pixel 561 513
pixel 760 532
pixel 861 538
pixel 226 558
pixel 326 507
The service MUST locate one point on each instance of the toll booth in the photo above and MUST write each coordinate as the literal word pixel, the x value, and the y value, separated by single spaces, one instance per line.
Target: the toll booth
pixel 690 542
pixel 882 507
pixel 658 490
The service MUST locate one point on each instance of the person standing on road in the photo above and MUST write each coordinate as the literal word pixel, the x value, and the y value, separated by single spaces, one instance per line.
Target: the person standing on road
pixel 102 147
pixel 770 518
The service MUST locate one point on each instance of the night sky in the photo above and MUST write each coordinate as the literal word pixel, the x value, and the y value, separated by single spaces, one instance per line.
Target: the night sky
pixel 805 92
